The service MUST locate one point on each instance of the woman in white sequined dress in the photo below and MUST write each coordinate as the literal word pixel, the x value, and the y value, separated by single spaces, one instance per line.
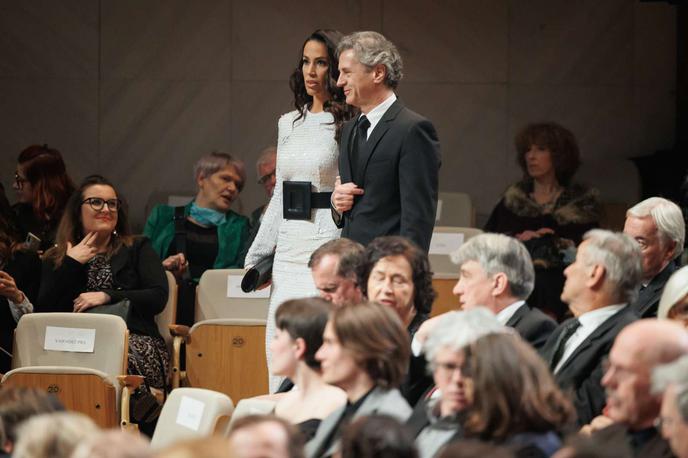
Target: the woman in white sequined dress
pixel 307 150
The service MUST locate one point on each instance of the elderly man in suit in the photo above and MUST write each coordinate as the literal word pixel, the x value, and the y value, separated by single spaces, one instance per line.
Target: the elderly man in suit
pixel 365 352
pixel 600 283
pixel 657 225
pixel 389 156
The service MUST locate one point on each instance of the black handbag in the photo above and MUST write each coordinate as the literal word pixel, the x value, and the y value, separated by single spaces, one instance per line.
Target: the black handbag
pixel 121 309
pixel 258 275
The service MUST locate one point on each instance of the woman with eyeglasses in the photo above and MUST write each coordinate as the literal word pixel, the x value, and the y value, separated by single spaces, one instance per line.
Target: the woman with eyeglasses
pixel 97 261
pixel 42 187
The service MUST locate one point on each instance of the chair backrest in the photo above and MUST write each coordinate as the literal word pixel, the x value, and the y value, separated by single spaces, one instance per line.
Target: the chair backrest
pixel 445 300
pixel 252 406
pixel 446 240
pixel 455 209
pixel 167 317
pixel 228 356
pixel 190 413
pixel 213 301
pixel 72 330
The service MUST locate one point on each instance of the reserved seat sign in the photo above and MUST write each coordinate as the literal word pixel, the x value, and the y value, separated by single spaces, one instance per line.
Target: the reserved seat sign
pixel 77 340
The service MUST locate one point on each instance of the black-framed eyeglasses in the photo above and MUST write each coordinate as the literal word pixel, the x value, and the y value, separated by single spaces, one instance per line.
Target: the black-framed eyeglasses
pixel 98 204
pixel 265 178
pixel 19 181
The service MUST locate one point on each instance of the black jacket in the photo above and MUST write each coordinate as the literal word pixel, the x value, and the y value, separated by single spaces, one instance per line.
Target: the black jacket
pixel 533 325
pixel 398 171
pixel 648 299
pixel 582 372
pixel 137 275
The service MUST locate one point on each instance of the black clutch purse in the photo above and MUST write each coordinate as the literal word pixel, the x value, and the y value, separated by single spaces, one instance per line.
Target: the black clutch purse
pixel 121 309
pixel 258 275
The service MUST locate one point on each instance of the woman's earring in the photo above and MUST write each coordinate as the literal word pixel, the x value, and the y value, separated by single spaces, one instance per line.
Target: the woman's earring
pixel 114 232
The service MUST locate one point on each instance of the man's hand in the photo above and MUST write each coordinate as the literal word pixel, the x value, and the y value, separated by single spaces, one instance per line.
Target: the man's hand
pixel 597 423
pixel 87 300
pixel 343 195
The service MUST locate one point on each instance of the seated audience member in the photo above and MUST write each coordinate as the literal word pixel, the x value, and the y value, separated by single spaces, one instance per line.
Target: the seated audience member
pixel 265 168
pixel 204 234
pixel 513 398
pixel 394 272
pixel 496 272
pixel 631 406
pixel 475 449
pixel 377 436
pixel 546 210
pixel 42 187
pixel 18 404
pixel 53 435
pixel 116 443
pixel 20 273
pixel 334 267
pixel 97 261
pixel 299 334
pixel 365 352
pixel 658 227
pixel 674 302
pixel 672 380
pixel 437 420
pixel 599 285
pixel 259 436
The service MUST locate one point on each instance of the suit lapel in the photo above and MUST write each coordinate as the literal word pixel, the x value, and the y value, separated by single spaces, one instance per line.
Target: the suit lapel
pixel 654 289
pixel 516 317
pixel 380 130
pixel 345 167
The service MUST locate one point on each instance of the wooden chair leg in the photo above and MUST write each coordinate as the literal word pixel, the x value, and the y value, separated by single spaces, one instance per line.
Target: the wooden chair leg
pixel 129 384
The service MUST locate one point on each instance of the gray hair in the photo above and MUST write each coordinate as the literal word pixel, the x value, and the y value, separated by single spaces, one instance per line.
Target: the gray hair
pixel 668 218
pixel 267 155
pixel 52 434
pixel 500 253
pixel 674 373
pixel 620 256
pixel 371 49
pixel 215 161
pixel 456 330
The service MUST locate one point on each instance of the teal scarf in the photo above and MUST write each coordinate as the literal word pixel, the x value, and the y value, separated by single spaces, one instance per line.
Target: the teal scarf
pixel 206 216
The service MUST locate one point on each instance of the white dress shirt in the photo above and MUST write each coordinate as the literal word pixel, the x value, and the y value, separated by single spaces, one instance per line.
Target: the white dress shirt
pixel 378 112
pixel 507 312
pixel 588 323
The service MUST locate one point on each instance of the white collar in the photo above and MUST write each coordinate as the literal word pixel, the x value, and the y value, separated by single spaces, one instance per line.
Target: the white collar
pixel 507 312
pixel 375 115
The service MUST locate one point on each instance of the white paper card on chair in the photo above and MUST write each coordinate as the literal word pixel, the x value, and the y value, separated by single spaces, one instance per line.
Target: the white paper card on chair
pixel 78 340
pixel 190 413
pixel 234 289
pixel 445 242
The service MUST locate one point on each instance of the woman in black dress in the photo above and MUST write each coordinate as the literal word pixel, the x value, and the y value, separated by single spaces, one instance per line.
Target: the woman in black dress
pixel 546 210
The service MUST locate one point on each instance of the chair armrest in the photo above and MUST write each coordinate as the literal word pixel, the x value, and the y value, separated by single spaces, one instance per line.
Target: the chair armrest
pixel 129 383
pixel 179 330
pixel 177 341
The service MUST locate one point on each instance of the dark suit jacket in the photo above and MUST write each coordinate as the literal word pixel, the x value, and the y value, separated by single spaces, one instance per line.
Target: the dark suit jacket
pixel 648 298
pixel 654 446
pixel 398 170
pixel 533 325
pixel 582 372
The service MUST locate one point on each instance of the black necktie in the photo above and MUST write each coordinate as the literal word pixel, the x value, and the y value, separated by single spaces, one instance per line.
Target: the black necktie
pixel 566 334
pixel 359 144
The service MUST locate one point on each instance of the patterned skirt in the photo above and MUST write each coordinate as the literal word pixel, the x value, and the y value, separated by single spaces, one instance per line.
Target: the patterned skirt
pixel 148 356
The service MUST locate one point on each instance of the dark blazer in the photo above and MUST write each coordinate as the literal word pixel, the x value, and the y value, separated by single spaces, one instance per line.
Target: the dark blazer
pixel 533 325
pixel 653 444
pixel 648 298
pixel 379 401
pixel 398 171
pixel 582 372
pixel 137 275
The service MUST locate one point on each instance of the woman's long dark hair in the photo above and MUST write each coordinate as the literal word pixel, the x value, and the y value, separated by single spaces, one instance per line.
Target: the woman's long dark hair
pixel 71 228
pixel 45 169
pixel 336 105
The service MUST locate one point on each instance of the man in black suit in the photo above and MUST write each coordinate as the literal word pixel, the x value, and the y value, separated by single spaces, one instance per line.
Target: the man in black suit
pixel 389 156
pixel 657 225
pixel 599 285
pixel 496 272
pixel 632 407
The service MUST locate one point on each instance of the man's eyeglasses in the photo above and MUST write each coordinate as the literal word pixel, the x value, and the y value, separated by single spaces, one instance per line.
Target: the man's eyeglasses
pixel 97 203
pixel 19 181
pixel 265 178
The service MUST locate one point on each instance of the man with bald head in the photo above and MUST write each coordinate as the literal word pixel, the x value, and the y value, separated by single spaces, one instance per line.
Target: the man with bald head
pixel 631 405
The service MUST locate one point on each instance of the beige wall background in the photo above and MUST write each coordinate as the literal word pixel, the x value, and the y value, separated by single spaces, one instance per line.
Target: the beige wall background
pixel 138 89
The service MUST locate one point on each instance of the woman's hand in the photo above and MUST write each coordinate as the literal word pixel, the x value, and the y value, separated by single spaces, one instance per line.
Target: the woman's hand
pixel 177 264
pixel 85 250
pixel 8 288
pixel 87 300
pixel 529 235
